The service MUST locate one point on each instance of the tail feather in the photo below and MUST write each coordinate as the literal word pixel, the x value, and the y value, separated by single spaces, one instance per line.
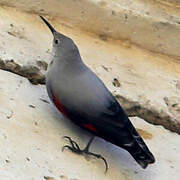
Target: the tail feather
pixel 124 135
pixel 139 149
pixel 142 156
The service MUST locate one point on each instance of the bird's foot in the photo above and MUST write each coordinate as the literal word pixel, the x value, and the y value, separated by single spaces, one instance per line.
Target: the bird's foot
pixel 74 147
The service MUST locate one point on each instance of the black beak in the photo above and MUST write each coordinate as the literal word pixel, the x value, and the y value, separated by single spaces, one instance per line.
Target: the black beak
pixel 47 23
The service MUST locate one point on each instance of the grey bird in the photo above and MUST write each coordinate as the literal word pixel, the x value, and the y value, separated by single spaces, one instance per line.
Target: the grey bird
pixel 81 96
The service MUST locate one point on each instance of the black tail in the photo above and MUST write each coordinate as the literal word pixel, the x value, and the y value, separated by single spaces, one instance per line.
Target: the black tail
pixel 121 132
pixel 138 148
pixel 142 155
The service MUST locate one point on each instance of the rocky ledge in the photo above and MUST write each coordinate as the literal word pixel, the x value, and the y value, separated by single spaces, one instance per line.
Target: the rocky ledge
pixel 31 141
pixel 146 84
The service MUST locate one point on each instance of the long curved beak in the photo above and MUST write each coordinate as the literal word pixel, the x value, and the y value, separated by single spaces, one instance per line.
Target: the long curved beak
pixel 49 25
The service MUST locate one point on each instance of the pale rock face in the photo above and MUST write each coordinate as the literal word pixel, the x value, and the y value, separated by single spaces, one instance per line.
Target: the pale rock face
pixel 146 84
pixel 31 141
pixel 150 24
pixel 142 79
pixel 170 3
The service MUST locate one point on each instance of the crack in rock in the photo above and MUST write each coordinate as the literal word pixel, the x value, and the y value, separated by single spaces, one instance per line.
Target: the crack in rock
pixel 42 64
pixel 149 113
pixel 49 178
pixel 173 104
pixel 32 73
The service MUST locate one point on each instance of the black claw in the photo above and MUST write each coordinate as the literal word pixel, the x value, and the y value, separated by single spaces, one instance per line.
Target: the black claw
pixel 76 149
pixel 100 157
pixel 73 143
pixel 65 147
pixel 106 164
pixel 70 148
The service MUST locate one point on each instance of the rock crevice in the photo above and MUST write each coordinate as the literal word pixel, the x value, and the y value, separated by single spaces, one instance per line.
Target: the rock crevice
pixel 151 114
pixel 32 73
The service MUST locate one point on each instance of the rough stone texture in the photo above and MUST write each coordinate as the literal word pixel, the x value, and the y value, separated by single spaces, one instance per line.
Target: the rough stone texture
pixel 30 72
pixel 178 84
pixel 144 79
pixel 31 141
pixel 173 104
pixel 141 22
pixel 147 86
pixel 170 3
pixel 153 114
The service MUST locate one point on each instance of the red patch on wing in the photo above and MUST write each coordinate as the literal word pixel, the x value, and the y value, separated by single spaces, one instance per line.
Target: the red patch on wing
pixel 58 104
pixel 90 127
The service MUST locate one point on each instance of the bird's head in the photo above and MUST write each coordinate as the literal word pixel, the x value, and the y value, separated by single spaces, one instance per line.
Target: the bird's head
pixel 63 46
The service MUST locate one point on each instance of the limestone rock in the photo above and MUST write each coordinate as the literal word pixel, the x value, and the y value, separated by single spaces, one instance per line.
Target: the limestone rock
pixel 151 24
pixel 144 78
pixel 31 142
pixel 173 104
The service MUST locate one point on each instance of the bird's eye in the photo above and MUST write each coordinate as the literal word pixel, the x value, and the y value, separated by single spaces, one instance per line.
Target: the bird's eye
pixel 56 41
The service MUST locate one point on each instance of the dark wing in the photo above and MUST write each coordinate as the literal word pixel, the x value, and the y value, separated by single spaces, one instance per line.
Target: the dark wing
pixel 111 124
pixel 114 126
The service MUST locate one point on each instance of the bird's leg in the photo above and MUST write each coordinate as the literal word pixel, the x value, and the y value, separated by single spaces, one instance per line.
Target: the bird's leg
pixel 76 149
pixel 86 149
